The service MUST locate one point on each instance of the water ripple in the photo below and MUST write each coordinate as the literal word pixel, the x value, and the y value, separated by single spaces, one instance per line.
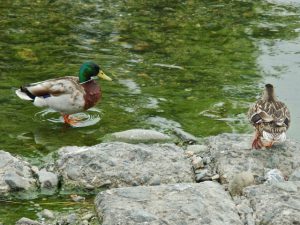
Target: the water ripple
pixel 88 118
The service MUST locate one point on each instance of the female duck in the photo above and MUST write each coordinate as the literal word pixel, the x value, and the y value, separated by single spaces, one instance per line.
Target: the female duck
pixel 271 119
pixel 66 95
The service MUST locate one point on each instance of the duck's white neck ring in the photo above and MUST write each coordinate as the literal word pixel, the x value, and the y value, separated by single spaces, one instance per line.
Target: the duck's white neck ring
pixel 92 78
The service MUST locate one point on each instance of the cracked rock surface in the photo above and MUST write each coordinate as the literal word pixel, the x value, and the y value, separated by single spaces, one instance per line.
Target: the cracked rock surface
pixel 185 204
pixel 118 164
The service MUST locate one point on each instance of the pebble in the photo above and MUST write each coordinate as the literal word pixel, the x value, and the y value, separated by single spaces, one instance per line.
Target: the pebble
pixel 77 198
pixel 197 162
pixel 201 175
pixel 88 216
pixel 198 149
pixel 47 214
pixel 215 177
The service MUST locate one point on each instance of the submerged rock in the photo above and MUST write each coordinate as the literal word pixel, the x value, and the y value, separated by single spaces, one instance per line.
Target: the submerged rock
pixel 119 164
pixel 194 204
pixel 140 136
pixel 15 174
pixel 26 221
pixel 48 180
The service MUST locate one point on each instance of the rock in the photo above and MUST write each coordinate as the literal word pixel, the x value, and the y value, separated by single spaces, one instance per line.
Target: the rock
pixel 193 204
pixel 215 177
pixel 232 154
pixel 197 162
pixel 295 176
pixel 184 136
pixel 274 205
pixel 274 175
pixel 15 174
pixel 47 214
pixel 198 149
pixel 140 136
pixel 26 221
pixel 123 165
pixel 77 198
pixel 88 216
pixel 201 175
pixel 240 181
pixel 47 179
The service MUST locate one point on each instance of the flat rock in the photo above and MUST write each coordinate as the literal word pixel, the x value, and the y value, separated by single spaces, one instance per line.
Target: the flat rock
pixel 232 155
pixel 15 174
pixel 178 204
pixel 140 136
pixel 275 204
pixel 118 164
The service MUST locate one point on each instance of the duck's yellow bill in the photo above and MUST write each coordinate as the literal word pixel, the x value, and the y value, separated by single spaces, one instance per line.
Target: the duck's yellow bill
pixel 103 76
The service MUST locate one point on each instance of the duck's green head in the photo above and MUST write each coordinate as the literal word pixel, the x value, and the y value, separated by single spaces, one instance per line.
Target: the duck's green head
pixel 89 70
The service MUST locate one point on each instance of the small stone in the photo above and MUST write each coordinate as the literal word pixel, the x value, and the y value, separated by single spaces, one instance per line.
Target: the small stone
pixel 198 149
pixel 189 153
pixel 215 177
pixel 47 179
pixel 184 136
pixel 35 169
pixel 88 216
pixel 197 162
pixel 71 219
pixel 85 222
pixel 274 175
pixel 201 175
pixel 77 198
pixel 26 221
pixel 206 160
pixel 46 213
pixel 155 180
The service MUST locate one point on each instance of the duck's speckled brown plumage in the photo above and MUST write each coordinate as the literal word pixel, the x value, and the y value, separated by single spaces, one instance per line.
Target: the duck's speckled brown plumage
pixel 269 115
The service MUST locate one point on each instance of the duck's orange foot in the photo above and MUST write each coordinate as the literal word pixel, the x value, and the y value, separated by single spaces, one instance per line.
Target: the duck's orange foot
pixel 71 121
pixel 257 144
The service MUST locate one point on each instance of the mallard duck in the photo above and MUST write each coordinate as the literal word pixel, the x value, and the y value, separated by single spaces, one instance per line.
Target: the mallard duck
pixel 271 119
pixel 66 95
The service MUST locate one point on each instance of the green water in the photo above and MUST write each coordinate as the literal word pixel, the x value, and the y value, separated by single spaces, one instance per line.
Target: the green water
pixel 193 62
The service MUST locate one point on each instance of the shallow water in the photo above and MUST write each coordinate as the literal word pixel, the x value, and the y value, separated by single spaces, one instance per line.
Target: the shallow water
pixel 195 64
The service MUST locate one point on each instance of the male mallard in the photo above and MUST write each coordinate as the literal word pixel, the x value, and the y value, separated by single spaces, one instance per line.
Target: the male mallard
pixel 271 119
pixel 66 95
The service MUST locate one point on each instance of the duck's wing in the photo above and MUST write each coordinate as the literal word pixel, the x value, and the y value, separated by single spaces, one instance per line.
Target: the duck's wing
pixel 52 87
pixel 274 112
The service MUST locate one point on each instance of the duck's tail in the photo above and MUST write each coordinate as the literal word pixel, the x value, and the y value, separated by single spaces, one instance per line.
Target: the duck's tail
pixel 24 94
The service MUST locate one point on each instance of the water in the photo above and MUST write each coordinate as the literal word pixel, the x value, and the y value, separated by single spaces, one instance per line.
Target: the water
pixel 195 64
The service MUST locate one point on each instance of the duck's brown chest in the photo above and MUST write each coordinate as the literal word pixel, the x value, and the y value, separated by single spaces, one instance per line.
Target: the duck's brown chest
pixel 92 94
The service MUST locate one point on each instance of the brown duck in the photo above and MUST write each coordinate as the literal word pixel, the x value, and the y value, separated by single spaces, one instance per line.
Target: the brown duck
pixel 271 119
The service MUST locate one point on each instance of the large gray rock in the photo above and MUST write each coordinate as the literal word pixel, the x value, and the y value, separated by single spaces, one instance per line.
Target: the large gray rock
pixel 232 155
pixel 140 136
pixel 15 174
pixel 119 164
pixel 184 204
pixel 274 204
